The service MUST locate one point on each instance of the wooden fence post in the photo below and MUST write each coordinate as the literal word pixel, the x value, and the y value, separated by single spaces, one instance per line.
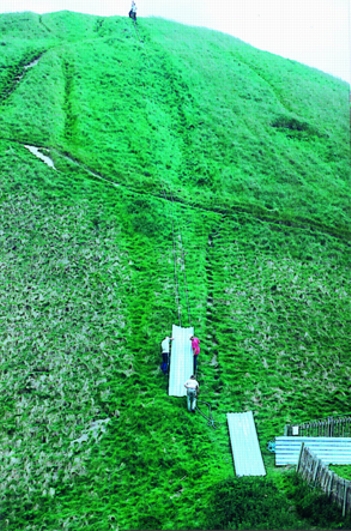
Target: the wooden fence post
pixel 314 471
pixel 330 484
pixel 338 493
pixel 344 500
pixel 348 498
pixel 300 456
pixel 330 426
pixel 316 463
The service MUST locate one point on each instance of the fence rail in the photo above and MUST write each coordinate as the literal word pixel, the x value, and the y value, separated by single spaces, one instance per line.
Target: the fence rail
pixel 330 427
pixel 314 472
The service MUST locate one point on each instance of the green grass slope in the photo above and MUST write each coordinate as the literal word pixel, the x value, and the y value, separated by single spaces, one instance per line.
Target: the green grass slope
pixel 197 179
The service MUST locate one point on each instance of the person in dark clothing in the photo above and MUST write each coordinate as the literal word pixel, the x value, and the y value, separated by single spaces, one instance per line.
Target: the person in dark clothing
pixel 133 11
pixel 165 348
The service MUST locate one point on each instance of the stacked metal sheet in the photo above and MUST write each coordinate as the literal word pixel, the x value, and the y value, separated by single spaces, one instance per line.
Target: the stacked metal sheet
pixel 181 366
pixel 331 450
pixel 245 446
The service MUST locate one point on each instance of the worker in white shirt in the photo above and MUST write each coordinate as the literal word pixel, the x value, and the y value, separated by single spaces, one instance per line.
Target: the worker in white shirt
pixel 192 390
pixel 166 348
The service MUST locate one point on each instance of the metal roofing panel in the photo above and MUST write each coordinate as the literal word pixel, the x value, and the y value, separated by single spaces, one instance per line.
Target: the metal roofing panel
pixel 182 363
pixel 245 446
pixel 331 450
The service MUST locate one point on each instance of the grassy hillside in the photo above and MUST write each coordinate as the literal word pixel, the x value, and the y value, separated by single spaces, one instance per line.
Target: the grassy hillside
pixel 197 179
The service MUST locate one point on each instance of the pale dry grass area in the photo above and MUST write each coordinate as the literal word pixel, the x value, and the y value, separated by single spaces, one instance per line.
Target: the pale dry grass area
pixel 285 311
pixel 62 320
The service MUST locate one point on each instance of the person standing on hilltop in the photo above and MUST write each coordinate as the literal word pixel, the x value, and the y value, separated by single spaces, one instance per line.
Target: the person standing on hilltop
pixel 133 11
pixel 195 345
pixel 165 348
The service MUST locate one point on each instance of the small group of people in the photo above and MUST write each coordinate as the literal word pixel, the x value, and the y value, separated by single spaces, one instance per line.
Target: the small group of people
pixel 133 11
pixel 166 351
pixel 192 385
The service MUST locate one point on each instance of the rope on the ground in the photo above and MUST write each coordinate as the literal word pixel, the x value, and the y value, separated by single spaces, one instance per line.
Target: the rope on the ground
pixel 176 283
pixel 210 420
pixel 176 276
pixel 138 36
pixel 136 29
pixel 184 268
pixel 185 282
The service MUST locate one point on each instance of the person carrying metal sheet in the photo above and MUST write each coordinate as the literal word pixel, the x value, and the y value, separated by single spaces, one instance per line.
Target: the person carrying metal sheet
pixel 195 345
pixel 192 390
pixel 166 348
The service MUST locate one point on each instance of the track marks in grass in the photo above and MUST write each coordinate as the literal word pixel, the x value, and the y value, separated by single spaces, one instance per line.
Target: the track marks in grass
pixel 44 25
pixel 99 25
pixel 15 75
pixel 71 118
pixel 211 338
pixel 86 334
pixel 273 309
pixel 75 162
pixel 260 214
pixel 266 81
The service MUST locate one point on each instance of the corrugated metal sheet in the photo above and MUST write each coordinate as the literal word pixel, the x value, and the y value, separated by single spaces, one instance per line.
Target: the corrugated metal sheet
pixel 245 446
pixel 182 363
pixel 331 450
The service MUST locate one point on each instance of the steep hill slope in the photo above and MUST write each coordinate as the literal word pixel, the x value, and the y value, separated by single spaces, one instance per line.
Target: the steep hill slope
pixel 239 126
pixel 197 180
